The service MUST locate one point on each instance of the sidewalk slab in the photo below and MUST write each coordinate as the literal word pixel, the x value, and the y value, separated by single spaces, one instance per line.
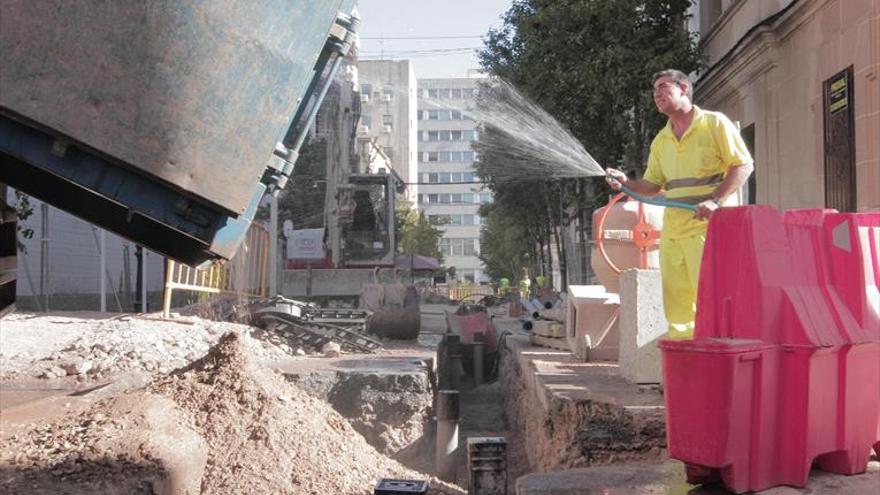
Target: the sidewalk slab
pixel 667 478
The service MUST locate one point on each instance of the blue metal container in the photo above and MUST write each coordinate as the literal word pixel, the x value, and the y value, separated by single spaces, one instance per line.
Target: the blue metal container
pixel 156 120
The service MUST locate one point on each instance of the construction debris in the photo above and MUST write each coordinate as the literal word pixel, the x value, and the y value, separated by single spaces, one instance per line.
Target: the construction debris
pixel 223 424
pixel 91 347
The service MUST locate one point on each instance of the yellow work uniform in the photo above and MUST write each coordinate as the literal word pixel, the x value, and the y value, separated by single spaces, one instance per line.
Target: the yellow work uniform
pixel 690 169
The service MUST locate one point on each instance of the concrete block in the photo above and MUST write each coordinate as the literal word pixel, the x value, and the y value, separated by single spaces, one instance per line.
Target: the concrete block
pixel 642 323
pixel 557 314
pixel 591 322
pixel 547 328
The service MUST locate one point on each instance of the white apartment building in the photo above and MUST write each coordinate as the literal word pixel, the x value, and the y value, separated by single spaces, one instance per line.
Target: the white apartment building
pixel 388 115
pixel 448 187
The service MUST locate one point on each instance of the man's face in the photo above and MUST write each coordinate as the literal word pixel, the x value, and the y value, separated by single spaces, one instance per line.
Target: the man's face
pixel 668 95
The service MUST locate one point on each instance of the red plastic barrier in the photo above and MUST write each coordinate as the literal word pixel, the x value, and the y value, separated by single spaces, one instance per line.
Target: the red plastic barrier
pixel 784 367
pixel 467 325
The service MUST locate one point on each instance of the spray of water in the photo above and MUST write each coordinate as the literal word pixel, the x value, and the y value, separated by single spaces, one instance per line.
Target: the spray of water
pixel 527 141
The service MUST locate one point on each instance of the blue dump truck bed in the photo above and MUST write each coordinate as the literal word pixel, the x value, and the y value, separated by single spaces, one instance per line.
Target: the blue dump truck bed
pixel 157 120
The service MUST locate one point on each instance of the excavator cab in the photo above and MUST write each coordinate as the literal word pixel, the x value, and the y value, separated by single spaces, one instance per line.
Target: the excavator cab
pixel 369 238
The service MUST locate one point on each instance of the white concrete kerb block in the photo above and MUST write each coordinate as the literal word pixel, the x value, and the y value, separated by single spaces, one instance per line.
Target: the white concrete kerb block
pixel 642 323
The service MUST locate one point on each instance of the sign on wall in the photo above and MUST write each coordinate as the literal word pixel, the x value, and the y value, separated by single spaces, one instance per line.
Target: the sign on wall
pixel 840 163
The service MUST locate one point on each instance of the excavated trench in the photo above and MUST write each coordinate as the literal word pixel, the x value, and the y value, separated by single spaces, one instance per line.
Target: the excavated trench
pixel 348 421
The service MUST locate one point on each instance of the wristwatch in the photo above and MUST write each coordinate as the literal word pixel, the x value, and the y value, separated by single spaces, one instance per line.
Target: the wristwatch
pixel 717 202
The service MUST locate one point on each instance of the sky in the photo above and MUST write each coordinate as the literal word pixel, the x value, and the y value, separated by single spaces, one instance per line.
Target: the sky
pixel 454 26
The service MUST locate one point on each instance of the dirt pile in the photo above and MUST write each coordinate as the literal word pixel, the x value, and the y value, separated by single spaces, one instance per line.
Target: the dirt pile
pixel 86 348
pixel 223 424
pixel 136 443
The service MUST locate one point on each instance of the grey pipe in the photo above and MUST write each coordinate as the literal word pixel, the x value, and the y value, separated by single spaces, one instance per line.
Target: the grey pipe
pixel 455 370
pixel 447 435
pixel 530 307
pixel 479 349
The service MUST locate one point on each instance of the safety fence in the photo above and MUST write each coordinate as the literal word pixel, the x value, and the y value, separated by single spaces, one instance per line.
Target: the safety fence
pixel 245 275
pixel 470 293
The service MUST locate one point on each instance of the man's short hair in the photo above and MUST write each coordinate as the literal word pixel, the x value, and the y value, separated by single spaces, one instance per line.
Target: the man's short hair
pixel 678 77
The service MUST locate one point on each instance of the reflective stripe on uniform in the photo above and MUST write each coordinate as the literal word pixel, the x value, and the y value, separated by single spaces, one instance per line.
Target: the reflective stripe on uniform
pixel 695 181
pixel 692 200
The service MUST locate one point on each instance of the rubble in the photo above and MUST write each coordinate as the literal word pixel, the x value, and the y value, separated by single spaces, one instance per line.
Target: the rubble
pixel 88 347
pixel 223 424
pixel 331 349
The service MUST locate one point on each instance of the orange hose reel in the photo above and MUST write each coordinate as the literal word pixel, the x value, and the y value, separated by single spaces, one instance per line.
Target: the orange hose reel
pixel 643 235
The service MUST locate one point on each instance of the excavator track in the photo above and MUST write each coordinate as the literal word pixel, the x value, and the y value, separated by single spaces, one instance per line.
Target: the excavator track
pixel 316 335
pixel 306 325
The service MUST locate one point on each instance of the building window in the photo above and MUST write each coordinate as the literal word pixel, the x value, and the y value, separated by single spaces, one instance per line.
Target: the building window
pixel 366 89
pixel 456 246
pixel 456 93
pixel 366 120
pixel 387 119
pixel 387 91
pixel 389 152
pixel 432 93
pixel 462 220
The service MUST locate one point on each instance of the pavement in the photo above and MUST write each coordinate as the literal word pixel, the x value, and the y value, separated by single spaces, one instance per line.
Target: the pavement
pixel 667 478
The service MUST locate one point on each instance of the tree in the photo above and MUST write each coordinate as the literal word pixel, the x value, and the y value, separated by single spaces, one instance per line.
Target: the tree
pixel 416 232
pixel 589 64
pixel 501 239
pixel 302 200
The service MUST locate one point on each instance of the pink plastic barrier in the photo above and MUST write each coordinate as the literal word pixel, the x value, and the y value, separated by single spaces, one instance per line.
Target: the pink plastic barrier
pixel 784 368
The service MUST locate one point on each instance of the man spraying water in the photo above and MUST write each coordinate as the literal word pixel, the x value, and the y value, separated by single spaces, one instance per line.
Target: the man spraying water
pixel 700 159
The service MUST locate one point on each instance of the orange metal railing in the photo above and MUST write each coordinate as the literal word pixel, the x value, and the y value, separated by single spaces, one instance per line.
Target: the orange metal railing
pixel 470 293
pixel 244 275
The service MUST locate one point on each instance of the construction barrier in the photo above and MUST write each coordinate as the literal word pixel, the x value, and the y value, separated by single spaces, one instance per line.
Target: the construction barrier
pixel 784 367
pixel 471 293
pixel 245 275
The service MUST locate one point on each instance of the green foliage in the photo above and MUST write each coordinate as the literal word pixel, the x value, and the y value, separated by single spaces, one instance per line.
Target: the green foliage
pixel 417 233
pixel 501 239
pixel 23 211
pixel 302 200
pixel 589 64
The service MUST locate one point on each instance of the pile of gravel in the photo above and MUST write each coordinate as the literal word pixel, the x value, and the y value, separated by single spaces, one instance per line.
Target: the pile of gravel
pixel 107 347
pixel 224 424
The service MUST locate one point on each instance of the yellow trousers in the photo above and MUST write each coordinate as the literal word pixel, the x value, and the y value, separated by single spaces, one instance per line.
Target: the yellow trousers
pixel 680 270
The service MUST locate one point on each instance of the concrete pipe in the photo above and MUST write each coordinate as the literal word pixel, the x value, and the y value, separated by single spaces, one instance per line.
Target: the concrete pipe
pixel 447 434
